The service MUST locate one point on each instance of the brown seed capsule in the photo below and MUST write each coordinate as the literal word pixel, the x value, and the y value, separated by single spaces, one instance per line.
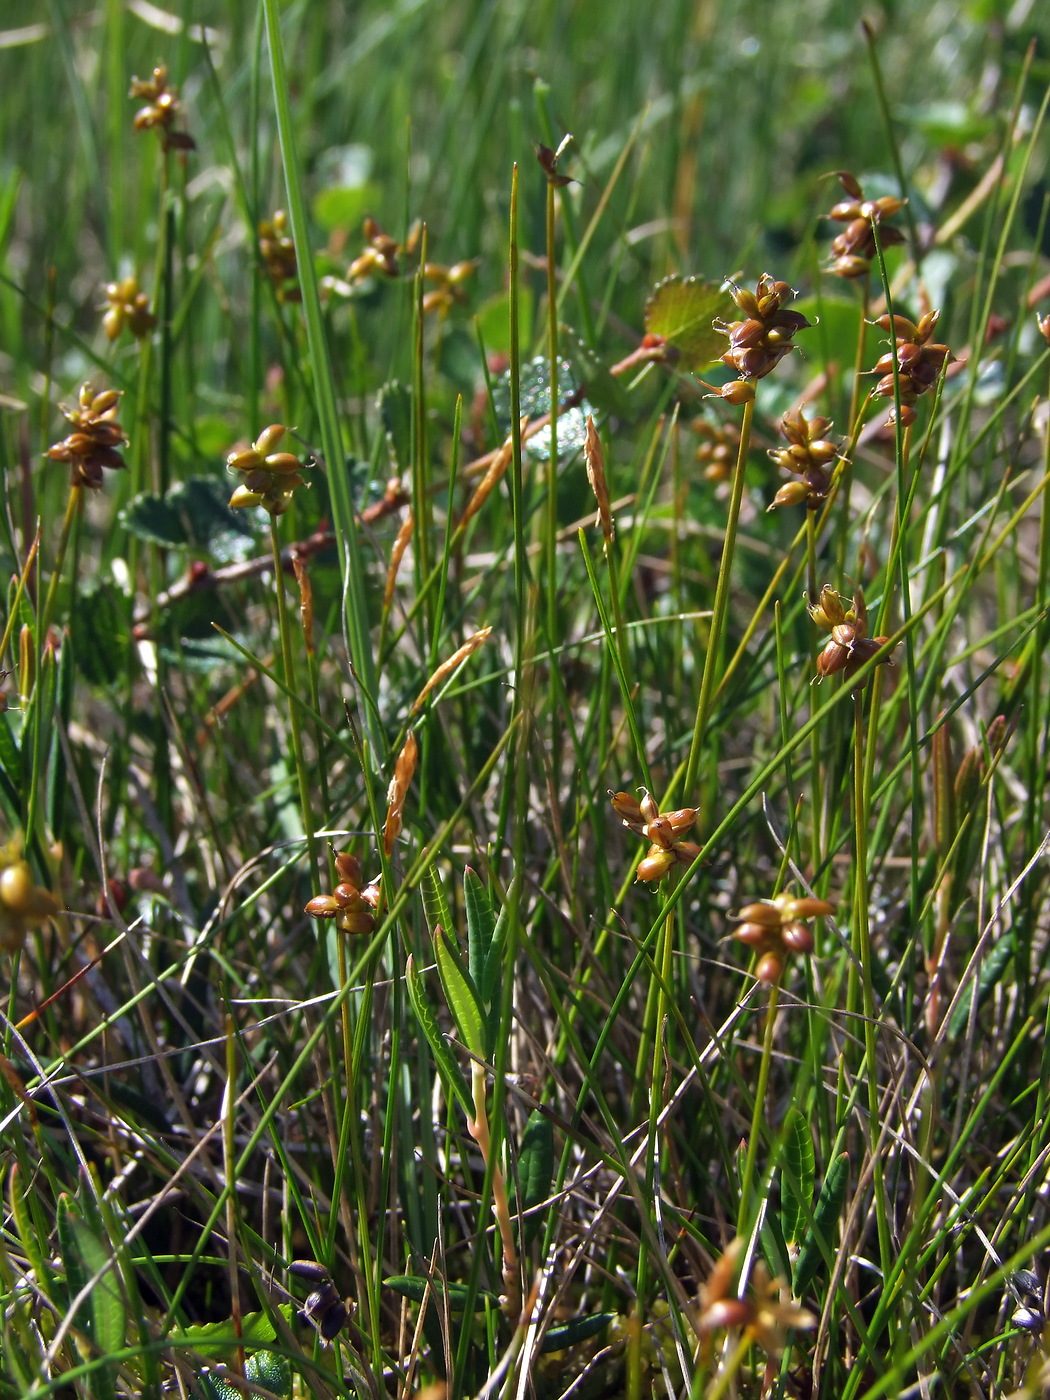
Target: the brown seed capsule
pixel 656 864
pixel 323 906
pixel 766 914
pixel 797 938
pixel 770 967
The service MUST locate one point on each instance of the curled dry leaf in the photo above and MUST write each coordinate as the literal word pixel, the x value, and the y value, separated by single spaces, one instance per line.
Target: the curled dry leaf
pixel 397 553
pixel 594 457
pixel 447 667
pixel 404 769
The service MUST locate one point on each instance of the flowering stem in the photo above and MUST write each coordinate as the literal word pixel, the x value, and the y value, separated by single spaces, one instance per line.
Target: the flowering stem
pixel 721 604
pixel 293 713
pixel 744 1208
pixel 551 560
pixel 862 958
pixel 72 507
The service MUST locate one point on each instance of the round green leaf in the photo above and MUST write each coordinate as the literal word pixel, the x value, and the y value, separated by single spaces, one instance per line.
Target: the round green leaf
pixel 683 310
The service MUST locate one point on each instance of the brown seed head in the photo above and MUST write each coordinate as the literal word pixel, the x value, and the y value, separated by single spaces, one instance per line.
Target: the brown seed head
pixel 94 443
pixel 161 111
pixel 776 928
pixel 759 341
pixel 270 478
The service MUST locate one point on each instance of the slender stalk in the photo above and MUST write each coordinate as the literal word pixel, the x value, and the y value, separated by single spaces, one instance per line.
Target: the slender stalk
pixel 302 776
pixel 862 954
pixel 744 1211
pixel 551 531
pixel 721 605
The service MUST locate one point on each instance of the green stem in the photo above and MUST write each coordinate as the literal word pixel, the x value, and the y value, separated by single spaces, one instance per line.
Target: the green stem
pixel 72 506
pixel 862 954
pixel 743 1216
pixel 721 605
pixel 293 712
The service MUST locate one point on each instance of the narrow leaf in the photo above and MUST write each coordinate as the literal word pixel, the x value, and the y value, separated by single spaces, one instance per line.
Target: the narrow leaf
pixel 819 1243
pixel 481 921
pixel 578 1330
pixel 415 1289
pixel 435 905
pixel 535 1168
pixel 102 1317
pixel 448 1068
pixel 797 1178
pixel 395 409
pixel 461 995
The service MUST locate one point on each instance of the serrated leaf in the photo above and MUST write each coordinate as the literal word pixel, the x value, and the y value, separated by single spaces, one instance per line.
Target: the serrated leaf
pixel 460 994
pixel 395 409
pixel 683 310
pixel 535 1168
pixel 195 514
pixel 797 1177
pixel 578 1330
pixel 447 1066
pixel 819 1243
pixel 214 1387
pixel 219 1339
pixel 414 1288
pixel 101 639
pixel 268 1369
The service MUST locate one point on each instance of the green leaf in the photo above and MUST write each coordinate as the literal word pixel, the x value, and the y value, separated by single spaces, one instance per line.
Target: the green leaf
pixel 195 514
pixel 214 1387
pixel 604 391
pixel 85 1257
pixel 481 921
pixel 395 409
pixel 683 310
pixel 414 1288
pixel 797 1177
pixel 447 1066
pixel 491 972
pixel 435 905
pixel 819 1243
pixel 221 1338
pixel 10 753
pixel 345 206
pixel 460 994
pixel 102 640
pixel 268 1369
pixel 774 1245
pixel 578 1330
pixel 991 972
pixel 535 1168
